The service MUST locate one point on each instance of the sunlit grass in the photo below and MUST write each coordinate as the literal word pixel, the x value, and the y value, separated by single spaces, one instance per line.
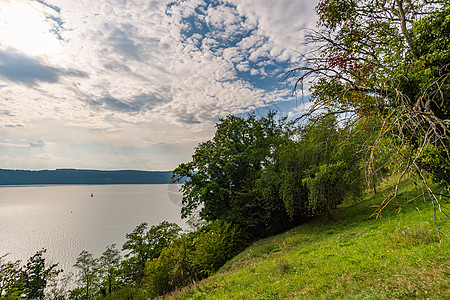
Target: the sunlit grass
pixel 397 256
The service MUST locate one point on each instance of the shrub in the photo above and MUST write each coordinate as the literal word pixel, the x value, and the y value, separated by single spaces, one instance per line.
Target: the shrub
pixel 192 257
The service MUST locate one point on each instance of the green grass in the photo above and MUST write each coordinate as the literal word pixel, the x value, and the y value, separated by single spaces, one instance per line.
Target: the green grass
pixel 397 256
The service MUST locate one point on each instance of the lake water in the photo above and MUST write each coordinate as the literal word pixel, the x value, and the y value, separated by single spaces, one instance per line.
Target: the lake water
pixel 65 219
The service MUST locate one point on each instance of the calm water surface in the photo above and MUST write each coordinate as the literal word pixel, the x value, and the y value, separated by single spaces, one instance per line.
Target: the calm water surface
pixel 66 219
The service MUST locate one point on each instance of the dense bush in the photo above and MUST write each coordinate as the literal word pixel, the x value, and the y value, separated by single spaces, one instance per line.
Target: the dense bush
pixel 192 257
pixel 144 245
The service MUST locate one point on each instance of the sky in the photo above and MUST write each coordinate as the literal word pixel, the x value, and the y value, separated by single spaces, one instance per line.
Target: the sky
pixel 118 84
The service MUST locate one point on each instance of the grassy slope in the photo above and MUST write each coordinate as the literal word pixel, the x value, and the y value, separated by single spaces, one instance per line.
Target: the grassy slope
pixel 353 257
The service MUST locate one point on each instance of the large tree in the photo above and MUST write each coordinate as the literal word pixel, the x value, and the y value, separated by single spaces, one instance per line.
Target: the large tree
pixel 387 59
pixel 224 173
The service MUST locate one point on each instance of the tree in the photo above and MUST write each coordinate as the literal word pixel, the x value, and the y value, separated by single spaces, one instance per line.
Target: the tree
pixel 322 167
pixel 37 275
pixel 11 281
pixel 224 171
pixel 138 254
pixel 170 270
pixel 28 281
pixel 388 60
pixel 109 265
pixel 192 257
pixel 212 246
pixel 146 245
pixel 87 267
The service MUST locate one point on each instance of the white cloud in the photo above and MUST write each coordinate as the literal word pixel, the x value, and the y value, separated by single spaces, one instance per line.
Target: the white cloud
pixel 243 66
pixel 26 26
pixel 280 22
pixel 131 68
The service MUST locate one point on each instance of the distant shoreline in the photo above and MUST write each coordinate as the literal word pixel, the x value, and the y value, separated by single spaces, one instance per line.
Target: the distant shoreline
pixel 10 177
pixel 68 184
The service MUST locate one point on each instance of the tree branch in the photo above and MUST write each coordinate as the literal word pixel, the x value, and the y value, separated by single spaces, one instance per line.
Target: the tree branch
pixel 401 14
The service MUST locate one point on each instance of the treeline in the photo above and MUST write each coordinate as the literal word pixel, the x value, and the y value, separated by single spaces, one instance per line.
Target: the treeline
pixel 267 174
pixel 157 260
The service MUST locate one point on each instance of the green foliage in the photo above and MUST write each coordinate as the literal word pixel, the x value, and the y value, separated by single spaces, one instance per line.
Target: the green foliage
pixel 87 277
pixel 224 171
pixel 216 243
pixel 109 277
pixel 327 164
pixel 128 293
pixel 146 245
pixel 322 168
pixel 11 279
pixel 162 271
pixel 37 275
pixel 28 281
pixel 327 188
pixel 192 257
pixel 109 266
pixel 388 60
pixel 266 176
pixel 425 80
pixel 433 160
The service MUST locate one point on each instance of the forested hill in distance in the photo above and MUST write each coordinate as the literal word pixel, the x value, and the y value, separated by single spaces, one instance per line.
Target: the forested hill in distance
pixel 77 176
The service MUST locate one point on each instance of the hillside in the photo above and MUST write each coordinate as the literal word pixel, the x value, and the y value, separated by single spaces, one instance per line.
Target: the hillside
pixel 397 256
pixel 77 176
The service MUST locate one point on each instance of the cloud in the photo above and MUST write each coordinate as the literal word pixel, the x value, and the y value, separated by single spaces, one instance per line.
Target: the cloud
pixel 12 145
pixel 53 7
pixel 37 144
pixel 280 24
pixel 243 66
pixel 6 113
pixel 18 67
pixel 138 103
pixel 137 70
pixel 42 157
pixel 188 118
pixel 188 48
pixel 120 38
